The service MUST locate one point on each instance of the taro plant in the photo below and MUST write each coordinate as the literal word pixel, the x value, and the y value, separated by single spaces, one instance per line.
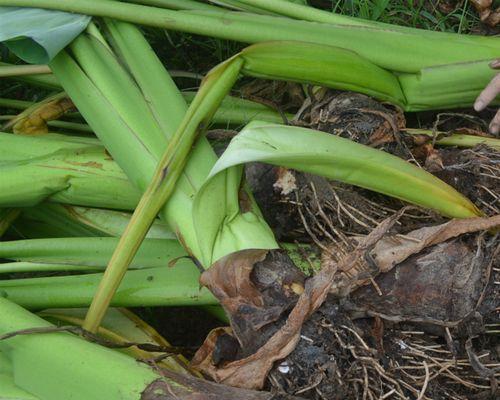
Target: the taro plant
pixel 132 105
pixel 94 66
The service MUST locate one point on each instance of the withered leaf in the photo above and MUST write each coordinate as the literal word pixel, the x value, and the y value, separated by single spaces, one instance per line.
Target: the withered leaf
pixel 250 372
pixel 33 120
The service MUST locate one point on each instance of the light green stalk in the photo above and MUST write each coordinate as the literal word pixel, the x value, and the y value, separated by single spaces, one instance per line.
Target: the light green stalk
pixel 26 266
pixel 20 70
pixel 385 47
pixel 233 111
pixel 175 4
pixel 239 6
pixel 15 104
pixel 92 252
pixel 44 80
pixel 176 285
pixel 300 10
pixel 78 369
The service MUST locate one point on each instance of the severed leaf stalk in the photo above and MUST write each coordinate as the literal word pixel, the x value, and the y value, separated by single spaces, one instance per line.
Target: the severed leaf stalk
pixel 20 70
pixel 456 139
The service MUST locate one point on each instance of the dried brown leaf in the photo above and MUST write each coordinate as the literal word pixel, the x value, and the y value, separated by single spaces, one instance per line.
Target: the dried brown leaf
pixel 392 250
pixel 251 372
pixel 33 121
pixel 229 279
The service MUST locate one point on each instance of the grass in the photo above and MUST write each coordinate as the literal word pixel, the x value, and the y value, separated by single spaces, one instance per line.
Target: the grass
pixel 437 15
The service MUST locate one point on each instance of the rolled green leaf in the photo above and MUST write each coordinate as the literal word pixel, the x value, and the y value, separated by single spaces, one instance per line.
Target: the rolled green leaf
pixel 323 65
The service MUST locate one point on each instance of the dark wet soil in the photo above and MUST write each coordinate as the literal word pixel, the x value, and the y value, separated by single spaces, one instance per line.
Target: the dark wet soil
pixel 185 327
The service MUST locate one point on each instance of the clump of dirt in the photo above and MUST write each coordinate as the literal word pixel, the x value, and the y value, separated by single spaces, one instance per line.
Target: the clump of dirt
pixel 282 95
pixel 339 357
pixel 353 116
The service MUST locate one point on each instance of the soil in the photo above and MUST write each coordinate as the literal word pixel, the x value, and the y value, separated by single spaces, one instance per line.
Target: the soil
pixel 341 356
pixel 185 327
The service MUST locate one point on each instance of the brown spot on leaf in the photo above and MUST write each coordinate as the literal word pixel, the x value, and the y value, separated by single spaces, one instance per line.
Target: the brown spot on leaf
pixel 89 164
pixel 244 201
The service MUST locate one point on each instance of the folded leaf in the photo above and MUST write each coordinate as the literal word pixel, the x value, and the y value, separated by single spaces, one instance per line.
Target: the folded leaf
pixel 37 35
pixel 321 154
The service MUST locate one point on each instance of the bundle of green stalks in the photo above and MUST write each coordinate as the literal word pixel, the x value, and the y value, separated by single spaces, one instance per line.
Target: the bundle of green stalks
pixel 438 70
pixel 67 195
